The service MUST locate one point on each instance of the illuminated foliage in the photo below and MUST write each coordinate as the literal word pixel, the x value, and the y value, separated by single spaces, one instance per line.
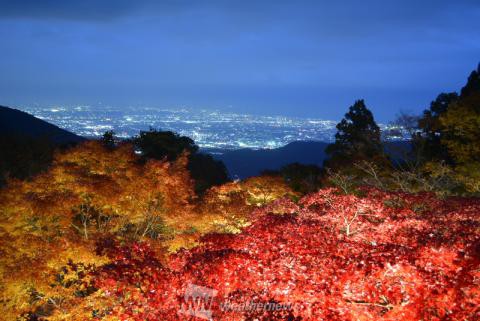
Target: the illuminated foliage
pixel 90 193
pixel 461 126
pixel 449 136
pixel 407 257
pixel 88 240
pixel 265 189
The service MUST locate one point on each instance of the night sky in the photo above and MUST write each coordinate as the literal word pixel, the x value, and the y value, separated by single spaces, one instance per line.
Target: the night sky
pixel 296 58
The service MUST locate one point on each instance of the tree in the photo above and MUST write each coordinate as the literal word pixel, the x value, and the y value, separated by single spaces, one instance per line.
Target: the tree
pixel 108 139
pixel 434 124
pixel 358 138
pixel 460 125
pixel 331 257
pixel 429 141
pixel 163 144
pixel 205 170
pixel 89 193
pixel 473 83
pixel 22 157
pixel 302 178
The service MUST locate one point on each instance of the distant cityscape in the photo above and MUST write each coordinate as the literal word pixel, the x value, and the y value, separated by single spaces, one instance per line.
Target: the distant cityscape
pixel 209 128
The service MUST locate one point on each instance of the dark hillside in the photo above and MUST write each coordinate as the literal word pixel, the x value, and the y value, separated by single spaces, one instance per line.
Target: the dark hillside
pixel 16 122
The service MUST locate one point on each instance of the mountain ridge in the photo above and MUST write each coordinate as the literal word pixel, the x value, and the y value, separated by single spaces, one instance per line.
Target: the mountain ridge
pixel 17 122
pixel 246 162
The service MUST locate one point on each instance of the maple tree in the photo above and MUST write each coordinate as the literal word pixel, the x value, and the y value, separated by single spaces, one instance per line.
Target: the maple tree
pixel 406 256
pixel 102 236
pixel 94 192
pixel 89 193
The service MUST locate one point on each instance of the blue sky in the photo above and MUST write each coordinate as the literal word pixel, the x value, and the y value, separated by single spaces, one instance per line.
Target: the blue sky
pixel 296 58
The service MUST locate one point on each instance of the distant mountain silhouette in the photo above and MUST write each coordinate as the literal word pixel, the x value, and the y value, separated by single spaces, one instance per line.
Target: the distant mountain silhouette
pixel 242 163
pixel 16 122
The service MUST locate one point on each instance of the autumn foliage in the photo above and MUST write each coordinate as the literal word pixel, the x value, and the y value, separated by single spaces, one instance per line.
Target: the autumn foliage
pixel 382 256
pixel 89 193
pixel 104 236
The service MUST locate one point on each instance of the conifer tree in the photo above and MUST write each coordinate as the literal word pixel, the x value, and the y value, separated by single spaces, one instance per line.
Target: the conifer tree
pixel 358 138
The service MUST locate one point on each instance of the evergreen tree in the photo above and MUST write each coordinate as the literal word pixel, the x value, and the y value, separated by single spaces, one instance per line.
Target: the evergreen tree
pixel 358 138
pixel 429 141
pixel 473 83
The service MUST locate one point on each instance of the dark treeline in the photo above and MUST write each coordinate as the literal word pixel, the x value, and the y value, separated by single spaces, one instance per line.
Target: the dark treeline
pixel 443 157
pixel 442 154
